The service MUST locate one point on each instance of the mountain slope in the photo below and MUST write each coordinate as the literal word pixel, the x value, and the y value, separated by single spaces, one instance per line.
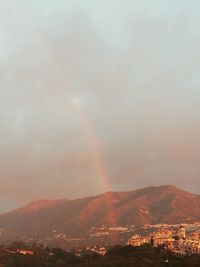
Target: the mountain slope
pixel 148 205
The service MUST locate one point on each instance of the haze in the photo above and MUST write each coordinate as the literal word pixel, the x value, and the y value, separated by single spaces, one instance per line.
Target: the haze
pixel 96 96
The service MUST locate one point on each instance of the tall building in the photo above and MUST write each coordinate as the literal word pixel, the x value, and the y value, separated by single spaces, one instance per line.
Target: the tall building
pixel 182 232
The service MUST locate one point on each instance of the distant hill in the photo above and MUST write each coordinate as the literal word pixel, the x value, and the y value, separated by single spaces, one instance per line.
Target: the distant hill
pixel 74 217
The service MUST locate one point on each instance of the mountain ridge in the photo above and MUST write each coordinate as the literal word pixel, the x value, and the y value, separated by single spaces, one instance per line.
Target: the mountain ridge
pixel 154 204
pixel 47 201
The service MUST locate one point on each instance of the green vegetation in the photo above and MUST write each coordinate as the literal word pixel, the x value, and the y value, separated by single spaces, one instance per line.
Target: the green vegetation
pixel 118 256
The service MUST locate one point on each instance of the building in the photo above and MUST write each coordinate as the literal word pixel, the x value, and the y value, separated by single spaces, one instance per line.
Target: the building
pixel 182 232
pixel 137 241
pixel 162 237
pixel 25 252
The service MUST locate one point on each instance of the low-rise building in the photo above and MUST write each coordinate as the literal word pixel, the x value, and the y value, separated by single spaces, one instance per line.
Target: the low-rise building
pixel 138 241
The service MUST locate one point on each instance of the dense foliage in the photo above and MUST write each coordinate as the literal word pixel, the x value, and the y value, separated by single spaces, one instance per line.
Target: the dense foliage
pixel 117 256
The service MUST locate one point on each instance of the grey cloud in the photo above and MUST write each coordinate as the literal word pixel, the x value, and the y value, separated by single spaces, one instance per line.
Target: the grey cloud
pixel 73 72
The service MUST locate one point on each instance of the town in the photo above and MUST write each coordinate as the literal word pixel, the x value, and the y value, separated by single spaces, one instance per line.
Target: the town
pixel 181 239
pixel 156 244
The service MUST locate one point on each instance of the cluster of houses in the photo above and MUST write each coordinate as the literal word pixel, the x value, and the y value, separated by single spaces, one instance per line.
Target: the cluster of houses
pixel 177 241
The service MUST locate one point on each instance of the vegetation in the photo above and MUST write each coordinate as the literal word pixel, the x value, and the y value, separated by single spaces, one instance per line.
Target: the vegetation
pixel 118 256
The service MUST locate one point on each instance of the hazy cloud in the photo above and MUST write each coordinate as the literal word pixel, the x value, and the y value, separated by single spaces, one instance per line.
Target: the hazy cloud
pixel 87 85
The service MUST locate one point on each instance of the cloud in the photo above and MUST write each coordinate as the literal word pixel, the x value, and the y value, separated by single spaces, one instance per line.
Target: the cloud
pixel 84 82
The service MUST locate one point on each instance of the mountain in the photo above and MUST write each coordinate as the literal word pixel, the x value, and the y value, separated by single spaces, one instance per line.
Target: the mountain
pixel 75 217
pixel 38 205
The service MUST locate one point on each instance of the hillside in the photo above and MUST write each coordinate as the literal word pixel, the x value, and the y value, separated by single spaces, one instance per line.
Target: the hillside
pixel 148 205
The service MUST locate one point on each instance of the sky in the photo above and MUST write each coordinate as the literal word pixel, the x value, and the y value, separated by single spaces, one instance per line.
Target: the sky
pixel 97 95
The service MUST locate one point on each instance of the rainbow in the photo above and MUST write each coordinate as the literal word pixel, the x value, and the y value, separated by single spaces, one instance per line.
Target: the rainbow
pixel 38 39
